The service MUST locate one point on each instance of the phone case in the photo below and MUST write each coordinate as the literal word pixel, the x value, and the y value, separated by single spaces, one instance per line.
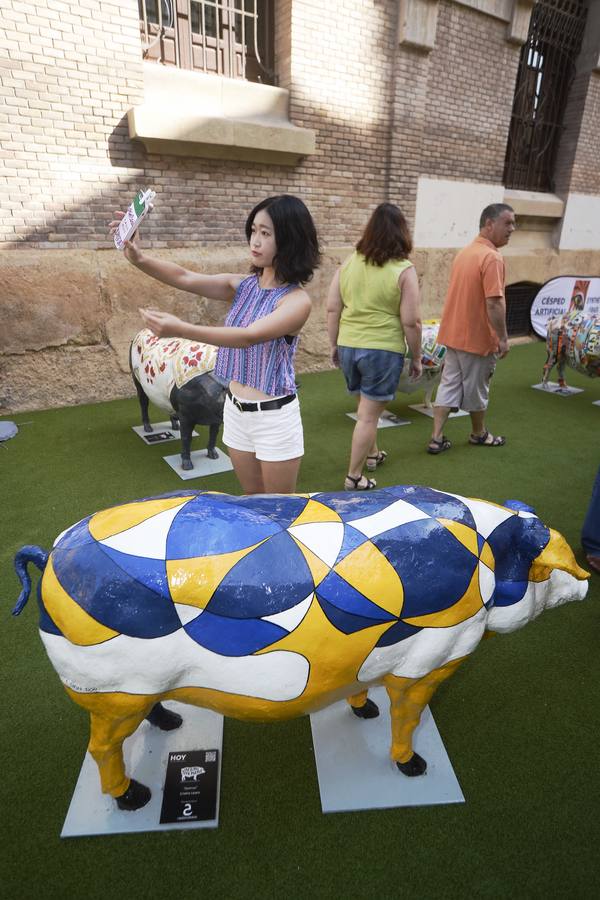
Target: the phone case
pixel 141 206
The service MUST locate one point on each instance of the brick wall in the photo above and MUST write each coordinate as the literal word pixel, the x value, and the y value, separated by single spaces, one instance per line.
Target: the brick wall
pixel 383 116
pixel 586 167
pixel 569 139
pixel 470 91
pixel 341 65
pixel 452 105
pixel 68 159
pixel 60 123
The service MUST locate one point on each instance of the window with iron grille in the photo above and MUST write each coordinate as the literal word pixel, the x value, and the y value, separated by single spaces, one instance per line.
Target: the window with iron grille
pixel 546 71
pixel 233 38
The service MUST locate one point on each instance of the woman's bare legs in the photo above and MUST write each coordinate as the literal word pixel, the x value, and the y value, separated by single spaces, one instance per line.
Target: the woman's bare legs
pixel 259 477
pixel 364 438
pixel 248 471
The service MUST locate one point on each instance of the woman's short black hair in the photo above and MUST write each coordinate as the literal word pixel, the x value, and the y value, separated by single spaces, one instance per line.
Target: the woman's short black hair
pixel 386 236
pixel 298 253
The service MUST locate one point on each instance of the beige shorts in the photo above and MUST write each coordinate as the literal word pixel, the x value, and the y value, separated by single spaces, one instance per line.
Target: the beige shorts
pixel 465 382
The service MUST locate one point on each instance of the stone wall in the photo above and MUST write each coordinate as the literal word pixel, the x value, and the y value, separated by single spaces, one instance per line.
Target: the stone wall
pixel 72 345
pixel 76 351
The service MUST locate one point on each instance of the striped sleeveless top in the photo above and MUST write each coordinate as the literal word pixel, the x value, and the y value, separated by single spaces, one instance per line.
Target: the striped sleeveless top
pixel 268 366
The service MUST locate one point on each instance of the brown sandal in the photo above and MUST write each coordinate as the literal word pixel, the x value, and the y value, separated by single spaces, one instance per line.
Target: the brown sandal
pixel 487 440
pixel 376 459
pixel 362 483
pixel 436 446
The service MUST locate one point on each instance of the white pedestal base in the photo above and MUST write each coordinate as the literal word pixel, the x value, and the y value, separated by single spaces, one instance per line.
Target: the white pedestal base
pixel 428 411
pixel 202 464
pixel 387 420
pixel 354 766
pixel 553 388
pixel 146 753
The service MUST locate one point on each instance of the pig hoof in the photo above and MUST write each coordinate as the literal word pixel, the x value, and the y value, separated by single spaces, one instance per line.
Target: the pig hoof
pixel 164 718
pixel 136 796
pixel 186 465
pixel 212 453
pixel 369 711
pixel 416 765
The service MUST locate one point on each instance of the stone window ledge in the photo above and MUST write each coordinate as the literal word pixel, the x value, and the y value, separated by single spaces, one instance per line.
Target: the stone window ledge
pixel 192 114
pixel 417 20
pixel 535 203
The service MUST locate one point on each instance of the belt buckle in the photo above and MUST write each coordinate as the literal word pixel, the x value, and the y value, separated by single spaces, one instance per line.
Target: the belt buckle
pixel 237 403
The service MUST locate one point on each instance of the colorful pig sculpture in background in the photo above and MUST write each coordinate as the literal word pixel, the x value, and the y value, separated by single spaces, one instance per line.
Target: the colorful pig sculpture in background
pixel 432 359
pixel 573 340
pixel 273 606
pixel 175 374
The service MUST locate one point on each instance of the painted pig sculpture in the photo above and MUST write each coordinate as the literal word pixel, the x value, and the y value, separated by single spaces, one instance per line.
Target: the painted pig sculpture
pixel 175 374
pixel 432 359
pixel 272 606
pixel 573 340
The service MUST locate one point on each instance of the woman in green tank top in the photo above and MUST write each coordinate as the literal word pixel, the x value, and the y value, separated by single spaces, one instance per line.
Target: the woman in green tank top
pixel 373 313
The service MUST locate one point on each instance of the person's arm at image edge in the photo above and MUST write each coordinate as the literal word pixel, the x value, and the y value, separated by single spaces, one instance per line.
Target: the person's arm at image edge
pixel 410 317
pixel 334 311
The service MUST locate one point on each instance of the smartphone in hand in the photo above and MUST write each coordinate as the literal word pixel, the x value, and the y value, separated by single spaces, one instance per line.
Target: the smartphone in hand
pixel 141 206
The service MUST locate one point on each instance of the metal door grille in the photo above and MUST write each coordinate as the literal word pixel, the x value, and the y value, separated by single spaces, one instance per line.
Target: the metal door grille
pixel 546 71
pixel 519 298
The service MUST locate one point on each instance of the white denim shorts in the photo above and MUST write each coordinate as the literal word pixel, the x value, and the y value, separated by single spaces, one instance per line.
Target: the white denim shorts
pixel 273 435
pixel 465 381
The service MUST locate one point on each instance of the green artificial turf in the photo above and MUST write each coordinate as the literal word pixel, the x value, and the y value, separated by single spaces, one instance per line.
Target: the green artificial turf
pixel 519 720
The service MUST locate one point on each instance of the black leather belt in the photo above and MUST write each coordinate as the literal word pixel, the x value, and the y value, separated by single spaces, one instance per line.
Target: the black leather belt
pixel 260 405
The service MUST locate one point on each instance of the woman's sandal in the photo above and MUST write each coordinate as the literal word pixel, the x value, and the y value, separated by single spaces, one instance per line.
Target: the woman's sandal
pixel 436 446
pixel 487 440
pixel 376 460
pixel 357 485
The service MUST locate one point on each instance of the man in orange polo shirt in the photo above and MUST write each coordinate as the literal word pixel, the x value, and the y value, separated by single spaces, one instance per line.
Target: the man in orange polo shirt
pixel 473 329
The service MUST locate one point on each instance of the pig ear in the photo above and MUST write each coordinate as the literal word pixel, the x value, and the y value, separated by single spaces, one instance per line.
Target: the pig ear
pixel 518 506
pixel 556 555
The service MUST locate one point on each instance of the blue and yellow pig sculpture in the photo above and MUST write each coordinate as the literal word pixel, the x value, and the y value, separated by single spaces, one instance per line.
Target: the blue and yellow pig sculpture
pixel 273 606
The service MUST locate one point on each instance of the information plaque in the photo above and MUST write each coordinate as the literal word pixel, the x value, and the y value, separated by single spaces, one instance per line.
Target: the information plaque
pixel 159 436
pixel 191 783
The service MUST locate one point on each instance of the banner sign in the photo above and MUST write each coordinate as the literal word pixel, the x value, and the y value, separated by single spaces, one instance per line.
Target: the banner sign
pixel 562 295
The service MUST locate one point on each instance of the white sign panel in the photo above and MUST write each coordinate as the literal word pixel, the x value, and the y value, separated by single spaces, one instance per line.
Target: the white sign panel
pixel 564 294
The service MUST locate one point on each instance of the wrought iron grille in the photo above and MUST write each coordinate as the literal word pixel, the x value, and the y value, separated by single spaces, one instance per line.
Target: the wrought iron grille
pixel 222 37
pixel 546 72
pixel 519 298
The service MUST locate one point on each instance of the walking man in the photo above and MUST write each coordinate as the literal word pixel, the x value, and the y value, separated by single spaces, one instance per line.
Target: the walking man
pixel 473 328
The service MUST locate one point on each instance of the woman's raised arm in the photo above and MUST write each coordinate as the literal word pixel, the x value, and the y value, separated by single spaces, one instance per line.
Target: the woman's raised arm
pixel 214 287
pixel 288 318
